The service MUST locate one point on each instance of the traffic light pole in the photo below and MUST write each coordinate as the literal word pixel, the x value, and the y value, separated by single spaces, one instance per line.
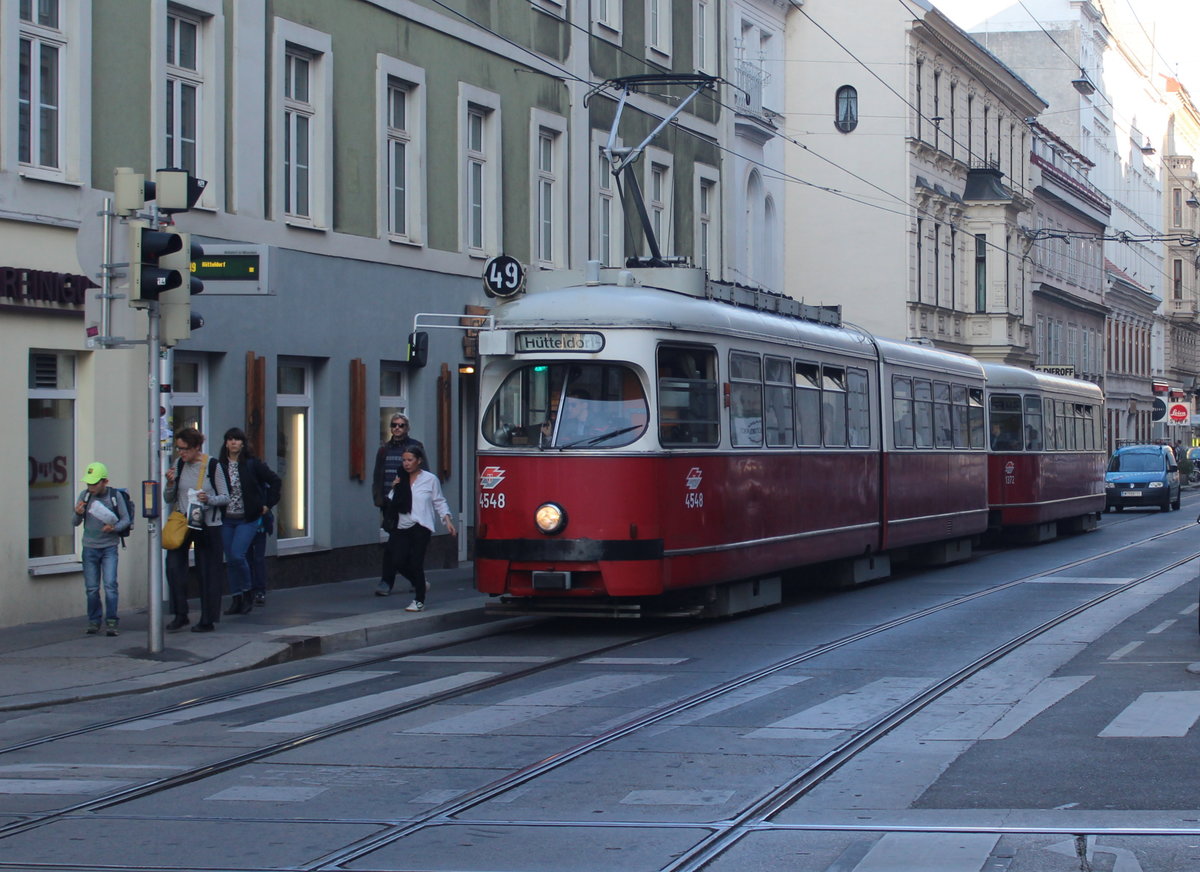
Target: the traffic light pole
pixel 154 557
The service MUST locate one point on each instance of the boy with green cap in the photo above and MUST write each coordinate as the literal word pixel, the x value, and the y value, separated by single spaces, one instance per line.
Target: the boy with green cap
pixel 104 517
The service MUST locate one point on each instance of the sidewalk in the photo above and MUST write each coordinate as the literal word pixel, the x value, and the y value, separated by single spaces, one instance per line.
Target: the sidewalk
pixel 56 662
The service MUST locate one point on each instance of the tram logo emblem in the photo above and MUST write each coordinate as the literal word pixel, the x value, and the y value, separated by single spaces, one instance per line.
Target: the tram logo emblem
pixel 693 477
pixel 1009 467
pixel 491 476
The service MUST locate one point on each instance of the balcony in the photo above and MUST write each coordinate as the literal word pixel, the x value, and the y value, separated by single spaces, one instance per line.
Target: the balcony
pixel 749 79
pixel 1182 311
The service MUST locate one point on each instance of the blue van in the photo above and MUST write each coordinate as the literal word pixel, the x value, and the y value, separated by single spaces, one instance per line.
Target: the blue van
pixel 1142 475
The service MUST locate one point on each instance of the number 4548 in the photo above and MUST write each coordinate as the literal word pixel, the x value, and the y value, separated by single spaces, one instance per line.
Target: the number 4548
pixel 488 500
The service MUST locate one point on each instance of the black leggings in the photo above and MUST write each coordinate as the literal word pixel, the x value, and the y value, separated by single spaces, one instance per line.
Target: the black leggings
pixel 405 553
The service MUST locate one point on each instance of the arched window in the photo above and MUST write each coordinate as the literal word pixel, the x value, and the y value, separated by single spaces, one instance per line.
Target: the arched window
pixel 846 109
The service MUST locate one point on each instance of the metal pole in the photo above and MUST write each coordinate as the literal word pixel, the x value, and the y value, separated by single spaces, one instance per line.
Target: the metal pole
pixel 154 560
pixel 106 273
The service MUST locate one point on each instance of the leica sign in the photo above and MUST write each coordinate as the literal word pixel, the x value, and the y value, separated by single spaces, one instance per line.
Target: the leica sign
pixel 1178 413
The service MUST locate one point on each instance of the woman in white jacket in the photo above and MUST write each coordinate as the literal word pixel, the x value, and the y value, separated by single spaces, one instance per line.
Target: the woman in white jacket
pixel 409 509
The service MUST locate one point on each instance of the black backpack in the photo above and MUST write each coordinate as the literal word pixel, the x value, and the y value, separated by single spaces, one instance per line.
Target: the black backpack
pixel 130 508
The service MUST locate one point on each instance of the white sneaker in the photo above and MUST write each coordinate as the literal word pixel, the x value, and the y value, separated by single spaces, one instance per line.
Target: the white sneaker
pixel 414 606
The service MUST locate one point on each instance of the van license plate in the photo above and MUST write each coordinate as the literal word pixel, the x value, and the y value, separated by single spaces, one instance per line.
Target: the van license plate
pixel 1131 493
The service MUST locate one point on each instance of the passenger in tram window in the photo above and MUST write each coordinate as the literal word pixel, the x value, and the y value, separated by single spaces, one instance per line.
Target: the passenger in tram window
pixel 1033 439
pixel 1004 439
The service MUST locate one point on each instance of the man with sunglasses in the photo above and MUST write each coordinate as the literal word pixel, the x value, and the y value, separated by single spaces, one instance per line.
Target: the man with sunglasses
pixel 389 456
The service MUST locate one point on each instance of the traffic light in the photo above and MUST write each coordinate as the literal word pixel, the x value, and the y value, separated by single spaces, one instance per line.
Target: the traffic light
pixel 130 191
pixel 175 305
pixel 148 275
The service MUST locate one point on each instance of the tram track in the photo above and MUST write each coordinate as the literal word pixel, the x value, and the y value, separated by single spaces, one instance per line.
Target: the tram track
pixel 755 817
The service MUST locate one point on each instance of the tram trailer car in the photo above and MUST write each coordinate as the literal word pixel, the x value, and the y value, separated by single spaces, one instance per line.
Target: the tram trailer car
pixel 647 447
pixel 1047 457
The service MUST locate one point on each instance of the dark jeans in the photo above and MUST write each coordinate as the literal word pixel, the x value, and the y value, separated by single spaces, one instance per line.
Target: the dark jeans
pixel 405 553
pixel 258 563
pixel 209 569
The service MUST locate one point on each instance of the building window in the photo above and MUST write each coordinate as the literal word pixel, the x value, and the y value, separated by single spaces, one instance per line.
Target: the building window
pixel 658 28
pixel 708 210
pixel 51 441
pixel 704 18
pixel 608 14
pixel 980 272
pixel 303 174
pixel 293 446
pixel 607 219
pixel 481 206
pixel 298 112
pixel 846 109
pixel 189 395
pixel 402 122
pixel 548 189
pixel 658 202
pixel 184 83
pixel 393 396
pixel 40 80
pixel 1177 207
pixel 1177 279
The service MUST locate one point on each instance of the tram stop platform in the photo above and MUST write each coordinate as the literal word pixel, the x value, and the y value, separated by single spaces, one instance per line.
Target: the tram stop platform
pixel 57 662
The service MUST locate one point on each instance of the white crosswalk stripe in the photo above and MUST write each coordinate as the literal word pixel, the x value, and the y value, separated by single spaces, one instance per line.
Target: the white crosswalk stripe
pixel 327 715
pixel 1156 714
pixel 531 706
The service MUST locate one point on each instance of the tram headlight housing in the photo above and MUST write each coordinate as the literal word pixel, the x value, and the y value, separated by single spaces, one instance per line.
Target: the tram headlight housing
pixel 550 518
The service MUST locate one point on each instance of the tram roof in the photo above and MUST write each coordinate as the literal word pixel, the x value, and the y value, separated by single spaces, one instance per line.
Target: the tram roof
pixel 608 306
pixel 1001 376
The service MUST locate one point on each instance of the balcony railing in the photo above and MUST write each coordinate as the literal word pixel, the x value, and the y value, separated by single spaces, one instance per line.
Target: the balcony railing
pixel 749 79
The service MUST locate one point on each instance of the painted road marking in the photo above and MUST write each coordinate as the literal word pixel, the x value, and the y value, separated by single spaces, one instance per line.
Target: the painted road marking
pixel 844 712
pixel 528 707
pixel 327 715
pixel 1156 714
pixel 299 688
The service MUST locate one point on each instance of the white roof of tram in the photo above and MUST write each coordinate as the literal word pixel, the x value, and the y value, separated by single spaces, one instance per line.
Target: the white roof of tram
pixel 610 306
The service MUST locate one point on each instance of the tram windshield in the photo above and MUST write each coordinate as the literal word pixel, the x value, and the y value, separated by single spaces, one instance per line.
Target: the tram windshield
pixel 567 405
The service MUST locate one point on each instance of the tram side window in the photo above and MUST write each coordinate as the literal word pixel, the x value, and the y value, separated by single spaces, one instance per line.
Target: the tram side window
pixel 687 396
pixel 943 437
pixel 779 419
pixel 902 411
pixel 1033 424
pixel 959 419
pixel 1005 417
pixel 923 412
pixel 808 403
pixel 833 406
pixel 1049 439
pixel 975 409
pixel 1080 427
pixel 1089 427
pixel 1060 417
pixel 746 417
pixel 860 408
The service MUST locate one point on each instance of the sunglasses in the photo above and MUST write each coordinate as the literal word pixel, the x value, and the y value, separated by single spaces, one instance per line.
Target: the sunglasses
pixel 399 426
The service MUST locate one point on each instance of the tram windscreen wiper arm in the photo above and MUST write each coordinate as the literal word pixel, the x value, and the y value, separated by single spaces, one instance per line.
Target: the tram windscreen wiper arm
pixel 592 440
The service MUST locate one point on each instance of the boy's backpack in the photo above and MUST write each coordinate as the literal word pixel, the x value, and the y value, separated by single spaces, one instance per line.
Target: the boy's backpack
pixel 129 509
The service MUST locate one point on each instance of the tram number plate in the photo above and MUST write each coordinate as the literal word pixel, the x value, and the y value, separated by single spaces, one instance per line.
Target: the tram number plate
pixel 1131 493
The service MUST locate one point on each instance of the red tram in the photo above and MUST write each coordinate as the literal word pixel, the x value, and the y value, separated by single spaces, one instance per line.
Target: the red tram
pixel 652 441
pixel 1046 468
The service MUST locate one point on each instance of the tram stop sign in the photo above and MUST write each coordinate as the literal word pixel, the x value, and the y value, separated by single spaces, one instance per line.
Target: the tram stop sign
pixel 1179 413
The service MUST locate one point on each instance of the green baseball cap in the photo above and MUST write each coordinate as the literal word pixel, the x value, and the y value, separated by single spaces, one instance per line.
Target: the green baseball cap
pixel 95 472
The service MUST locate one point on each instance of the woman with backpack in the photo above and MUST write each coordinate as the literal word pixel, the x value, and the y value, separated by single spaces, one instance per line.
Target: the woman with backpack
pixel 253 490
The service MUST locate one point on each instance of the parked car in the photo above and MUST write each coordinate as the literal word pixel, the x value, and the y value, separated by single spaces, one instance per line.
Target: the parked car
pixel 1142 475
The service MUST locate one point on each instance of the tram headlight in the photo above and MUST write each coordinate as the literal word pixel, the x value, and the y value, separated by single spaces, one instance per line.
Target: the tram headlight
pixel 550 518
